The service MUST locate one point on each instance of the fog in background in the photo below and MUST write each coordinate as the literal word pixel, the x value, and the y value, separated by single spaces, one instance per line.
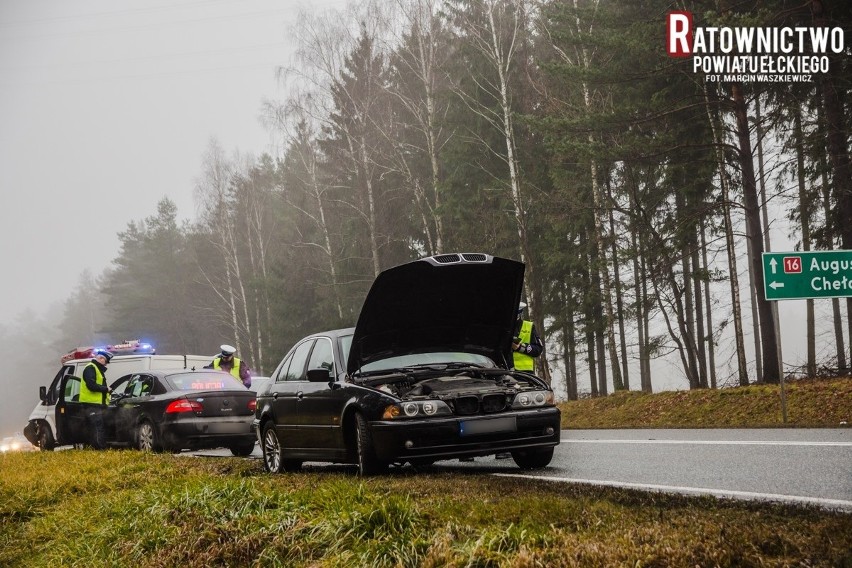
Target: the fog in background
pixel 105 109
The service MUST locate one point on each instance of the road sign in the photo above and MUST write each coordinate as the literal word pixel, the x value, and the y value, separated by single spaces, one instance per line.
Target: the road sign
pixel 813 274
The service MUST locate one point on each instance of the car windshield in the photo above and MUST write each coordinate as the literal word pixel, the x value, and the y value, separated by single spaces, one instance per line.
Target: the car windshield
pixel 203 381
pixel 415 359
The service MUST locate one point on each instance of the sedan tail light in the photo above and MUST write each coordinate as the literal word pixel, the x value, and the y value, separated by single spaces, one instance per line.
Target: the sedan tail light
pixel 252 405
pixel 184 406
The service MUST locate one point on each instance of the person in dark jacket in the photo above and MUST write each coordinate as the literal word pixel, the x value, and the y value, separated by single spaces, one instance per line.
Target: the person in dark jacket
pixel 94 393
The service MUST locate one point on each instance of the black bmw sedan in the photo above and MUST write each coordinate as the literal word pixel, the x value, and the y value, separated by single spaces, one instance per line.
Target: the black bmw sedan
pixel 425 375
pixel 174 410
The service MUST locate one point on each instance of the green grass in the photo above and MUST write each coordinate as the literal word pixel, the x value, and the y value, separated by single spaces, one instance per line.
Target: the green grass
pixel 125 508
pixel 810 403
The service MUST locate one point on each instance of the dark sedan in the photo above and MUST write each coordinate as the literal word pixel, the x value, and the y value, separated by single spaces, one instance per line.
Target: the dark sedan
pixel 424 376
pixel 175 410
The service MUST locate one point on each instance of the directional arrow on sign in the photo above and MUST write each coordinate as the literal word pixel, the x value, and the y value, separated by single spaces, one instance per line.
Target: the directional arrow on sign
pixel 800 275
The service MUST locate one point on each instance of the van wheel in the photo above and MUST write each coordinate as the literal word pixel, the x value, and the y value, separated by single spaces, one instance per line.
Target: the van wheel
pixel 146 438
pixel 45 438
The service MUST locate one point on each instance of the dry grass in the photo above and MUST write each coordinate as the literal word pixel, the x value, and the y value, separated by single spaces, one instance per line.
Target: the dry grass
pixel 810 403
pixel 123 508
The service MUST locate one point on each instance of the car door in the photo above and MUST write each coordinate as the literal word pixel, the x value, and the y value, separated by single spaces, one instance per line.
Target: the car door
pixel 117 418
pixel 320 407
pixel 72 425
pixel 284 392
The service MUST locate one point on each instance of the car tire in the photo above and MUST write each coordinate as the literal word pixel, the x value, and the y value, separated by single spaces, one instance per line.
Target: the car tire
pixel 146 437
pixel 45 438
pixel 368 463
pixel 243 449
pixel 273 460
pixel 533 459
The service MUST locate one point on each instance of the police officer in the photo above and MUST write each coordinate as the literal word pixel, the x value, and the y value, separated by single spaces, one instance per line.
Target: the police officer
pixel 226 361
pixel 527 345
pixel 94 393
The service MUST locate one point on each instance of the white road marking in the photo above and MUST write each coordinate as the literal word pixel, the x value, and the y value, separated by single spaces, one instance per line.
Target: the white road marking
pixel 838 504
pixel 714 442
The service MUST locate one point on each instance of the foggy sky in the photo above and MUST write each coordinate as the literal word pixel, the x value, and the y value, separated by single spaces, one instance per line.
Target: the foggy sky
pixel 107 108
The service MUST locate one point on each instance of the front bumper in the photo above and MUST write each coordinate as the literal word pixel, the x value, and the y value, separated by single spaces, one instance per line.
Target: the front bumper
pixel 457 437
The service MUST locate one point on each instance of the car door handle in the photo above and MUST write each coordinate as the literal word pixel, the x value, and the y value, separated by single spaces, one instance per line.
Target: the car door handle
pixel 300 395
pixel 275 395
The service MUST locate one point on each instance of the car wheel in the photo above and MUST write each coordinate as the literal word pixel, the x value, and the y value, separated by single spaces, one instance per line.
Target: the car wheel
pixel 271 448
pixel 45 438
pixel 146 437
pixel 243 449
pixel 532 459
pixel 368 463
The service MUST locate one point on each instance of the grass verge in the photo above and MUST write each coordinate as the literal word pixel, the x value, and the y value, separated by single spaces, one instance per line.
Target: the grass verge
pixel 124 508
pixel 824 403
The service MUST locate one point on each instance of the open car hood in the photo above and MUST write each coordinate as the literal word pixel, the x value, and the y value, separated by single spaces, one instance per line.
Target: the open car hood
pixel 450 302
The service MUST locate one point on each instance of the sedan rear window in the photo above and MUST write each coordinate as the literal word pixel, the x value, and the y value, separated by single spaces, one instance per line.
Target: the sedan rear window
pixel 203 381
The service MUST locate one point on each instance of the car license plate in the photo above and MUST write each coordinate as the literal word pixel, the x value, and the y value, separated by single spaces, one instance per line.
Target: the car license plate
pixel 488 426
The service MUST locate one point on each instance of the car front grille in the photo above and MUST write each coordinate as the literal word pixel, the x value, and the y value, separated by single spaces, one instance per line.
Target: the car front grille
pixel 472 405
pixel 493 403
pixel 466 406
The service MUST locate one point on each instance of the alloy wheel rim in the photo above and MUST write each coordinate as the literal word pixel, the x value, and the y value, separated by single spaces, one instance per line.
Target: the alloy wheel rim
pixel 271 451
pixel 146 437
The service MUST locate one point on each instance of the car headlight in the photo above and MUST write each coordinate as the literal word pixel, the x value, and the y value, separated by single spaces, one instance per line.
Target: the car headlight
pixel 532 399
pixel 416 408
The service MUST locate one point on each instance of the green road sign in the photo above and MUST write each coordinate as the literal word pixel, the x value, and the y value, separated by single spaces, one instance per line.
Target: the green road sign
pixel 801 275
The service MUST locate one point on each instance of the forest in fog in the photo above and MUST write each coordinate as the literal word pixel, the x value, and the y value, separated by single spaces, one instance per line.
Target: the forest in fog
pixel 639 195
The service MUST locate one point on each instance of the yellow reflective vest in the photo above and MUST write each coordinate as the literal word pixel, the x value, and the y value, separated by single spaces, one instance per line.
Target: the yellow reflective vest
pixel 235 370
pixel 524 362
pixel 90 396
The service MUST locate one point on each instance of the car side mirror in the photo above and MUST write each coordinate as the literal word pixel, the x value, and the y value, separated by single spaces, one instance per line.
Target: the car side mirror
pixel 42 393
pixel 318 375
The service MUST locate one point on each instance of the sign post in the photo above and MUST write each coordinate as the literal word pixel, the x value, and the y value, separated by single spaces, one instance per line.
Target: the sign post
pixel 807 275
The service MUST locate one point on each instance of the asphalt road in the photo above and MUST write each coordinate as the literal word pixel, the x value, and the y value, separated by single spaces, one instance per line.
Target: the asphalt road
pixel 805 466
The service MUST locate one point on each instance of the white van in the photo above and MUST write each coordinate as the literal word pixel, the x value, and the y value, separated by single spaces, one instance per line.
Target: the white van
pixel 46 427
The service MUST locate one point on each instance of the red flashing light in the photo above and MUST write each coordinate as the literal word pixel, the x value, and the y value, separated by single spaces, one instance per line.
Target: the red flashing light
pixel 129 347
pixel 184 406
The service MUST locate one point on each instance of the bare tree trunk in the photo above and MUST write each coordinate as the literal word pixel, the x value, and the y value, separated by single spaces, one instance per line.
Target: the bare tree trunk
pixel 742 369
pixel 765 220
pixel 838 148
pixel 805 214
pixel 769 345
pixel 424 24
pixel 755 320
pixel 569 344
pixel 830 238
pixel 701 341
pixel 646 322
pixel 625 385
pixel 644 379
pixel 711 339
pixel 688 315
